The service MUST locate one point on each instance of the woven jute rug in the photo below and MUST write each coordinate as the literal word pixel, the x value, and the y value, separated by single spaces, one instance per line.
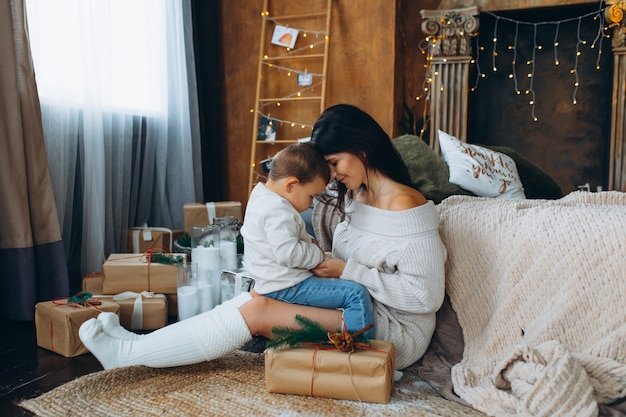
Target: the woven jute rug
pixel 230 386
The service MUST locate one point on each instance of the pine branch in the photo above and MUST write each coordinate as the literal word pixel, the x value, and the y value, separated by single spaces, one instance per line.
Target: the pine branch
pixel 162 258
pixel 309 332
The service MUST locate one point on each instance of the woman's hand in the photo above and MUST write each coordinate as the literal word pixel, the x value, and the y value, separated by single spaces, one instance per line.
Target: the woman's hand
pixel 330 268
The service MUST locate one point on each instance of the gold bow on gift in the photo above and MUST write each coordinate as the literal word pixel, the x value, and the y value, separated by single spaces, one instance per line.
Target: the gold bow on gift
pixel 311 332
pixel 346 342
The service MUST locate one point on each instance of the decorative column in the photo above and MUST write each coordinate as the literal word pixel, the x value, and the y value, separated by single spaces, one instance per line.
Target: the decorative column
pixel 614 16
pixel 449 34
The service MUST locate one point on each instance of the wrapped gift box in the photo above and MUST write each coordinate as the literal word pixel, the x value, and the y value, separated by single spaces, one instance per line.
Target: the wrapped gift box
pixel 141 239
pixel 132 272
pixel 201 214
pixel 172 304
pixel 365 375
pixel 140 311
pixel 92 283
pixel 57 324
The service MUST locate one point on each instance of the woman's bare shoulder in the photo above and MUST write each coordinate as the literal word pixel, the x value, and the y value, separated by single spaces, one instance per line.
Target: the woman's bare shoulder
pixel 406 198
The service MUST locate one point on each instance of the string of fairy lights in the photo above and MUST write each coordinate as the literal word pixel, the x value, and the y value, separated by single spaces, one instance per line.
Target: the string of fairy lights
pixel 316 43
pixel 530 68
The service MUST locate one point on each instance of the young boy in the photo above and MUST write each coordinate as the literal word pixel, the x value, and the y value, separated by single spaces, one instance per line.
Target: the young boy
pixel 278 252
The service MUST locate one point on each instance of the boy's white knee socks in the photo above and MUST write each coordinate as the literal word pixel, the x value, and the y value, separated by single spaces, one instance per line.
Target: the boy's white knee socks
pixel 203 337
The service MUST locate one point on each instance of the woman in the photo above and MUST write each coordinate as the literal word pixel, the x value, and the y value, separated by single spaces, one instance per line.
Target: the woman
pixel 388 241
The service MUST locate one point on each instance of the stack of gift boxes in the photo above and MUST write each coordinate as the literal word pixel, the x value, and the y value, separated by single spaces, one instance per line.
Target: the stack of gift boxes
pixel 141 292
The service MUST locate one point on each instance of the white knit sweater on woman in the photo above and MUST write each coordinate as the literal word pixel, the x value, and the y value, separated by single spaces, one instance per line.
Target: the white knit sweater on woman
pixel 400 258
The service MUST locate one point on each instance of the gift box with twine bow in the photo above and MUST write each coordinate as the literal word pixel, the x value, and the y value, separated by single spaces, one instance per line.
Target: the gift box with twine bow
pixel 365 375
pixel 342 369
pixel 140 310
pixel 57 322
pixel 138 272
pixel 144 238
pixel 202 214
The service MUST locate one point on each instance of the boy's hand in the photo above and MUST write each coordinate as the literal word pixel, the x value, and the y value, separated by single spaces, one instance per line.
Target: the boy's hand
pixel 330 268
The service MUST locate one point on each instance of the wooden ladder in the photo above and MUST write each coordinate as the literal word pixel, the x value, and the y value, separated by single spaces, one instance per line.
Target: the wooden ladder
pixel 285 107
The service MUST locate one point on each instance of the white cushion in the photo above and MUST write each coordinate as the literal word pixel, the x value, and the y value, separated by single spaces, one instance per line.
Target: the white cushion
pixel 482 171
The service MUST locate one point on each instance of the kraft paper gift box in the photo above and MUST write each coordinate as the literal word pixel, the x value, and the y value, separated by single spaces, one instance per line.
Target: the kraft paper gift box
pixel 132 272
pixel 57 323
pixel 140 311
pixel 172 304
pixel 202 214
pixel 141 239
pixel 365 375
pixel 92 283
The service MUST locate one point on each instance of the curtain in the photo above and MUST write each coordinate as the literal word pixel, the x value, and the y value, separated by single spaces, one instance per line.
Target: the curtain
pixel 32 261
pixel 117 87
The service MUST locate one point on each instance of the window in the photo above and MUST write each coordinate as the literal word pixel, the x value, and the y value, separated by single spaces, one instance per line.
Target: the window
pixel 109 53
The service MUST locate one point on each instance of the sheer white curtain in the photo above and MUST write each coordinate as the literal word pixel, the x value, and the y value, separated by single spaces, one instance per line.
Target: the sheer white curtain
pixel 118 94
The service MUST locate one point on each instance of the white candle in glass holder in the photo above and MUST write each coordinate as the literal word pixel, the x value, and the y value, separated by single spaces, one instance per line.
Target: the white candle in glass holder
pixel 188 302
pixel 216 281
pixel 205 291
pixel 209 269
pixel 227 288
pixel 228 253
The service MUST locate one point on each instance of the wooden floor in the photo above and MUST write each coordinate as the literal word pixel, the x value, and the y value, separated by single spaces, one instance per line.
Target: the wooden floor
pixel 28 371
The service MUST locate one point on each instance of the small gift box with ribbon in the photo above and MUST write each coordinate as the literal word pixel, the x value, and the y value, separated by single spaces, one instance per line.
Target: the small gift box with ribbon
pixel 343 369
pixel 202 214
pixel 57 322
pixel 92 283
pixel 140 310
pixel 144 238
pixel 139 272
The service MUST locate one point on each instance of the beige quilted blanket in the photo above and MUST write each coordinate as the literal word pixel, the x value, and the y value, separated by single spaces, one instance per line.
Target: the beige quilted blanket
pixel 539 288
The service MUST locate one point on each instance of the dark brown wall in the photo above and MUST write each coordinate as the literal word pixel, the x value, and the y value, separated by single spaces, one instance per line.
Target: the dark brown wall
pixel 365 68
pixel 570 142
pixel 376 63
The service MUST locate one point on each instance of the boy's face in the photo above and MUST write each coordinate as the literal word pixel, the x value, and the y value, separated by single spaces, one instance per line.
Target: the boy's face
pixel 301 195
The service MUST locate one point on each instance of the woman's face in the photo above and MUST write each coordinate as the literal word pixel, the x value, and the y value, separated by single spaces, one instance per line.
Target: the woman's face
pixel 346 168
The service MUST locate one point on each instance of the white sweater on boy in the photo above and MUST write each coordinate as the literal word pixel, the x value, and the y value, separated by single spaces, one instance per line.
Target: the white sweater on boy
pixel 278 251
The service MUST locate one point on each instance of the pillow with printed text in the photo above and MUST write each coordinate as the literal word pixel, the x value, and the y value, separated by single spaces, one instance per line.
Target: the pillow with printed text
pixel 482 171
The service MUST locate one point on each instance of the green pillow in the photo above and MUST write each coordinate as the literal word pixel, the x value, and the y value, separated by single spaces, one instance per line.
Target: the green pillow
pixel 537 183
pixel 429 171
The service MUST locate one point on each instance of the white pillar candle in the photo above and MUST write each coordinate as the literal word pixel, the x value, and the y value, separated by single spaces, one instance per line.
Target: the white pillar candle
pixel 209 269
pixel 188 302
pixel 228 253
pixel 206 296
pixel 227 288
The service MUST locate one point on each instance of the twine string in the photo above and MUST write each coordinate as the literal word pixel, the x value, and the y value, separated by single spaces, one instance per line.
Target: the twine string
pixel 318 347
pixel 56 302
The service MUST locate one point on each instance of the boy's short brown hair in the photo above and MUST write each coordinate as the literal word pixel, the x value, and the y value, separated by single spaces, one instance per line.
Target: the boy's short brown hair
pixel 299 160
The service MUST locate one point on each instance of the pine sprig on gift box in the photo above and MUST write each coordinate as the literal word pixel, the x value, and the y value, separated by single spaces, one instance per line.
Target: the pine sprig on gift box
pixel 162 258
pixel 311 331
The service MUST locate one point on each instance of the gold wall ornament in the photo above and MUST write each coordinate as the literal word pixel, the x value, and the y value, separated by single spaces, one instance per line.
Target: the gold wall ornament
pixel 449 34
pixel 450 31
pixel 614 16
